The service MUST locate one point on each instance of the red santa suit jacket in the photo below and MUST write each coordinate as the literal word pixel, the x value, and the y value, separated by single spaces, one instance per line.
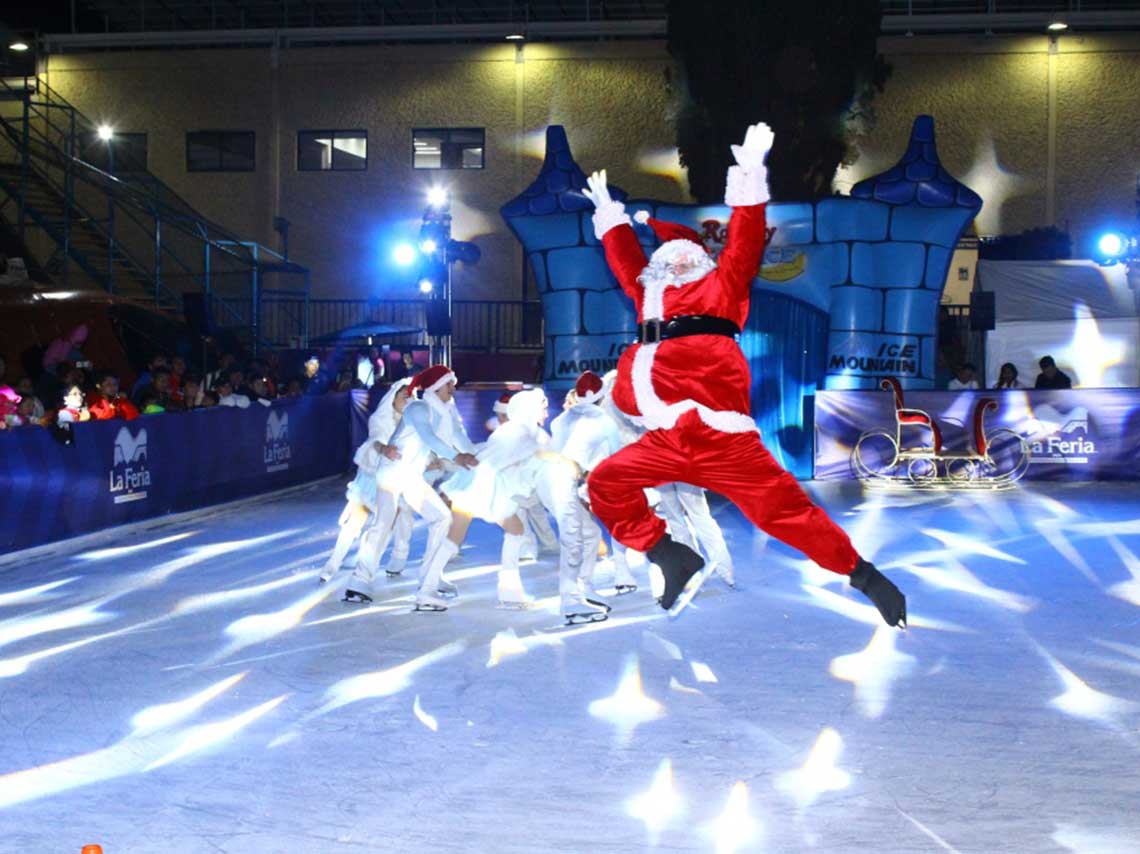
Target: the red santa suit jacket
pixel 102 409
pixel 657 383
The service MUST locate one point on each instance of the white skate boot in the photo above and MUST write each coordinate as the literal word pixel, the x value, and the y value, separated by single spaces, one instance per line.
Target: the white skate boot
pixel 327 572
pixel 575 609
pixel 511 593
pixel 430 602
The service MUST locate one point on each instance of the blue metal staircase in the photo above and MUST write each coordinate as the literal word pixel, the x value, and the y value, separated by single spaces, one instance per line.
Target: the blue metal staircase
pixel 124 230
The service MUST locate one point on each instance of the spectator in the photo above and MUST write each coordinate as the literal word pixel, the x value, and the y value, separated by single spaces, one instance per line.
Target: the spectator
pixel 294 388
pixel 192 391
pixel 209 399
pixel 25 389
pixel 344 381
pixel 106 402
pixel 149 401
pixel 406 367
pixel 964 378
pixel 25 413
pixel 177 374
pixel 161 386
pixel 158 360
pixel 228 397
pixel 67 348
pixel 316 378
pixel 1007 377
pixel 225 362
pixel 9 402
pixel 1050 377
pixel 259 391
pixel 74 409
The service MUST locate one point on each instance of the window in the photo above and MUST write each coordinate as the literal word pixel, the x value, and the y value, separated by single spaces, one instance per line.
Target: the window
pixel 125 151
pixel 220 151
pixel 447 148
pixel 332 150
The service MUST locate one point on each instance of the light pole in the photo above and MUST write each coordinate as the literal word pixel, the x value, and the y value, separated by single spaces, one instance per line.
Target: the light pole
pixel 107 134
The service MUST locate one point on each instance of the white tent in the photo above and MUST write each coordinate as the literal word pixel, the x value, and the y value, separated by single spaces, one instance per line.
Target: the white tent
pixel 1080 313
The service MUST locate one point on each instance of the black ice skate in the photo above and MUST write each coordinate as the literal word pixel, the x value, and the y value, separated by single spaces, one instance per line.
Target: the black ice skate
pixel 356 597
pixel 681 567
pixel 881 591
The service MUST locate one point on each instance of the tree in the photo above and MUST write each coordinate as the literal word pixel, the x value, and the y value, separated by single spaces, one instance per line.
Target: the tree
pixel 810 70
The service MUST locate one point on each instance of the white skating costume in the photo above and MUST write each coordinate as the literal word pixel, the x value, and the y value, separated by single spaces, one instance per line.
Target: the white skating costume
pixel 503 482
pixel 584 435
pixel 361 492
pixel 430 428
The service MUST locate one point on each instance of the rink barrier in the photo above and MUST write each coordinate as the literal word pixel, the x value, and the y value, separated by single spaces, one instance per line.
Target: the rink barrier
pixel 1072 435
pixel 116 472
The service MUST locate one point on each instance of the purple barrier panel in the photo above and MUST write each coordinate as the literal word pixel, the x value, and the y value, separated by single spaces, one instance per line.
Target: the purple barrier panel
pixel 1078 434
pixel 116 472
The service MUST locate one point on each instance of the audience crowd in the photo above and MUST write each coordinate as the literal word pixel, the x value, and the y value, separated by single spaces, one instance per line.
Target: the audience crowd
pixel 70 389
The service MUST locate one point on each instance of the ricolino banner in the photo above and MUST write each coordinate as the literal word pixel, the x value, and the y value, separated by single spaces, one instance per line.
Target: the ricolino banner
pixel 119 471
pixel 1078 434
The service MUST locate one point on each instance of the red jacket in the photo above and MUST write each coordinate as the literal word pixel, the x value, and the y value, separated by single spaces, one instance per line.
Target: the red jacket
pixel 102 409
pixel 656 383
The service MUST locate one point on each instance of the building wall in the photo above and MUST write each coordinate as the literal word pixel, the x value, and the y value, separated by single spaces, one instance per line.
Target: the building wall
pixel 1045 137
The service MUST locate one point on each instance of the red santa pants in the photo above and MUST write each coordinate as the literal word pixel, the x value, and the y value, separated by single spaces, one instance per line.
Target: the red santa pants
pixel 736 465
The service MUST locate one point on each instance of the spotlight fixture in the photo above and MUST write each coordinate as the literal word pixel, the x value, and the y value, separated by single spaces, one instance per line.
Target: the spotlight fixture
pixel 1114 246
pixel 404 254
pixel 106 132
pixel 437 197
pixel 1057 27
pixel 428 246
pixel 18 46
pixel 516 37
pixel 425 285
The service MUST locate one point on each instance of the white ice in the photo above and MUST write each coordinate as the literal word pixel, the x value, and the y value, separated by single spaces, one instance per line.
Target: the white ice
pixel 185 685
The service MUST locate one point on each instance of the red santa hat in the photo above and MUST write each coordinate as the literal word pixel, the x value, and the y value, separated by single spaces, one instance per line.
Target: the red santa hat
pixel 500 407
pixel 433 378
pixel 667 231
pixel 588 388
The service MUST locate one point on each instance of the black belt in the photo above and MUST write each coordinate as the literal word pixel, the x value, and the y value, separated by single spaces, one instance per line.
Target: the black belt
pixel 652 331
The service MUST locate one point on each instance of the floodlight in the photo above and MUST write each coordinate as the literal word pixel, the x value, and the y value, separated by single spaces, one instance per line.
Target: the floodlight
pixel 437 197
pixel 428 246
pixel 425 286
pixel 1057 27
pixel 1112 245
pixel 516 37
pixel 106 132
pixel 18 46
pixel 404 254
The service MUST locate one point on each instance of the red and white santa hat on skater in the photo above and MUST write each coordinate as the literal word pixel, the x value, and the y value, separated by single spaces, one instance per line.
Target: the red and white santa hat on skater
pixel 433 378
pixel 669 231
pixel 589 387
pixel 500 407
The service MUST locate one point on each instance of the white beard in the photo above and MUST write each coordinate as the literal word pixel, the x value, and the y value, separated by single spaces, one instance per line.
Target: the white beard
pixel 658 273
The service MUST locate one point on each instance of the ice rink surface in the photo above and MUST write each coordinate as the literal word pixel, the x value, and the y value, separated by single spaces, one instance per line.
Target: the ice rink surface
pixel 186 686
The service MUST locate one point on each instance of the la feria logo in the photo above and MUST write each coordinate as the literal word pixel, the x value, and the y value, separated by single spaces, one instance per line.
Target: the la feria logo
pixel 277 452
pixel 129 477
pixel 1059 438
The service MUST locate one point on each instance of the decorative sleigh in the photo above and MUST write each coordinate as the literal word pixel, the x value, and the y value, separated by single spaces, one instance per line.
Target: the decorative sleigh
pixel 913 455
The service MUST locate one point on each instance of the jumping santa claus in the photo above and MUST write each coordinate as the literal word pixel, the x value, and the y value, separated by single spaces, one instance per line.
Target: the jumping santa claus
pixel 687 383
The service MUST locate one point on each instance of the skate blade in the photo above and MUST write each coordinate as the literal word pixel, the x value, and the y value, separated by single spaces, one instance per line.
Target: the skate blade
pixel 428 608
pixel 692 586
pixel 598 603
pixel 391 574
pixel 577 619
pixel 624 589
pixel 355 598
pixel 507 605
pixel 448 594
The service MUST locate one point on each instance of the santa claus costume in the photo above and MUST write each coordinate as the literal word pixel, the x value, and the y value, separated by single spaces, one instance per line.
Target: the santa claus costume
pixel 687 383
pixel 430 428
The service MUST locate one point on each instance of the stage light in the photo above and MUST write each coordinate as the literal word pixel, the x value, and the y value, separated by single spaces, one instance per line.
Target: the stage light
pixel 18 46
pixel 437 197
pixel 1057 27
pixel 1111 245
pixel 106 132
pixel 428 246
pixel 425 286
pixel 516 37
pixel 404 254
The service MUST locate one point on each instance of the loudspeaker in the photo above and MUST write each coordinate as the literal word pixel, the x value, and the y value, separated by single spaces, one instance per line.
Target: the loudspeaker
pixel 982 311
pixel 438 320
pixel 196 310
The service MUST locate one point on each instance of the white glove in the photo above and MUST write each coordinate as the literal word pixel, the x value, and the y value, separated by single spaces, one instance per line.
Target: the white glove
pixel 598 193
pixel 757 143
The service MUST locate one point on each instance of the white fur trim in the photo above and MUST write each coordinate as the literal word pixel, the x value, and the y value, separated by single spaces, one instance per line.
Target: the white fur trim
pixel 592 396
pixel 499 408
pixel 609 216
pixel 641 217
pixel 442 381
pixel 746 188
pixel 656 414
